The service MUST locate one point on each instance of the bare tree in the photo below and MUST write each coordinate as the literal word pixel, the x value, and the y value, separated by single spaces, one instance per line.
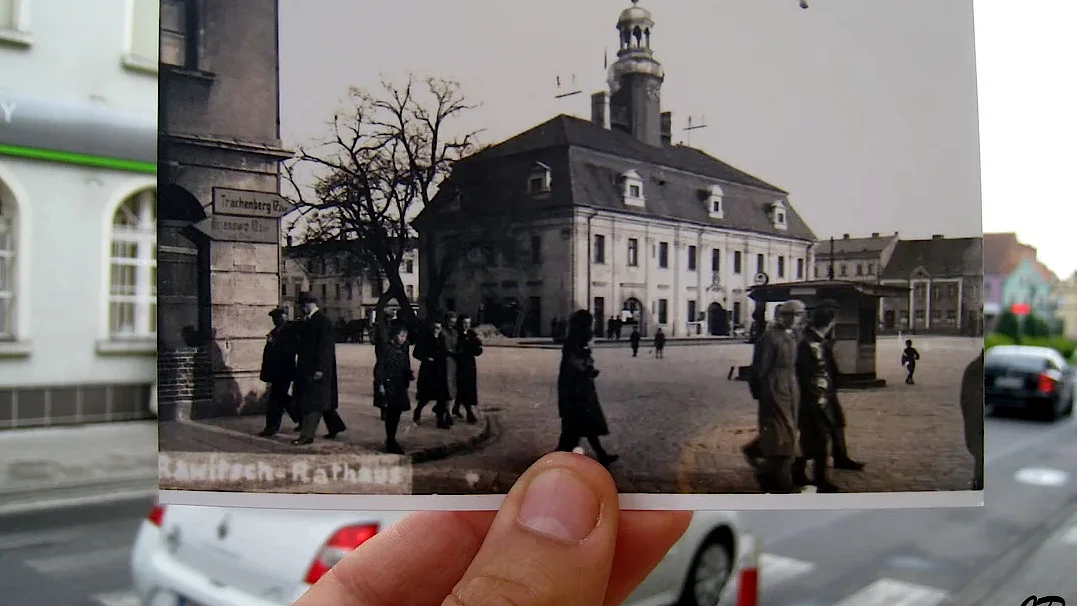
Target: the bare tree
pixel 381 165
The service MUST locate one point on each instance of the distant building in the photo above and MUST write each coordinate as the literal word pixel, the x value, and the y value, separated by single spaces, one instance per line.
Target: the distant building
pixel 1031 283
pixel 1003 252
pixel 609 215
pixel 1066 295
pixel 346 288
pixel 78 211
pixel 944 277
pixel 854 259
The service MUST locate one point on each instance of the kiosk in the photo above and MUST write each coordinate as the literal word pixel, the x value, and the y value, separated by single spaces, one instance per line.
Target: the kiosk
pixel 858 319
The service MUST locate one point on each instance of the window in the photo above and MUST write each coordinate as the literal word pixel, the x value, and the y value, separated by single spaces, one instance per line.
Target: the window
pixel 736 261
pixel 633 252
pixel 692 311
pixel 951 315
pixel 348 291
pixel 663 311
pixel 760 264
pixel 409 266
pixel 859 269
pixel 871 269
pixel 8 230
pixel 692 258
pixel 133 268
pixel 178 45
pixel 409 290
pixel 539 179
pixel 144 37
pixel 632 191
pixel 714 202
pixel 777 211
pixel 716 259
pixel 15 22
pixel 781 267
pixel 844 271
pixel 663 255
pixel 337 291
pixel 817 271
pixel 325 293
pixel 800 269
pixel 736 313
pixel 283 290
pixel 536 250
pixel 600 249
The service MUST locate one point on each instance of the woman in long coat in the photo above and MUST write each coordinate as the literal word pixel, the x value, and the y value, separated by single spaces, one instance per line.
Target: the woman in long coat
pixel 392 376
pixel 433 383
pixel 468 347
pixel 778 394
pixel 577 398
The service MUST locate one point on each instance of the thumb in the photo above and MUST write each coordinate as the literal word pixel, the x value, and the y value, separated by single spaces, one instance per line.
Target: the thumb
pixel 551 543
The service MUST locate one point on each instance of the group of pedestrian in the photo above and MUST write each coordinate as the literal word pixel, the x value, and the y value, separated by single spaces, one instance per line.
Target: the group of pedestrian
pixel 800 420
pixel 300 356
pixel 659 342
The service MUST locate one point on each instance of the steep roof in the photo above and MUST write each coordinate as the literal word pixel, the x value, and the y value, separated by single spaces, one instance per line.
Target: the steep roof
pixel 569 131
pixel 939 257
pixel 1003 252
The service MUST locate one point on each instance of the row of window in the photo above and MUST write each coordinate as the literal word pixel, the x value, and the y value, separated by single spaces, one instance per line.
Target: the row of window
pixel 132 288
pixel 662 311
pixel 342 291
pixel 661 252
pixel 821 271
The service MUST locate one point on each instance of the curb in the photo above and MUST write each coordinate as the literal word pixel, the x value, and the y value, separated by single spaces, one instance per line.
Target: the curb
pixel 76 495
pixel 1015 560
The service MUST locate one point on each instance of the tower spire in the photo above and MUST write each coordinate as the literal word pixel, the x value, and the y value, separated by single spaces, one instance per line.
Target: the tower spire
pixel 636 77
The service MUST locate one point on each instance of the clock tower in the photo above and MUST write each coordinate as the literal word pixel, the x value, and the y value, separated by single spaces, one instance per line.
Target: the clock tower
pixel 635 79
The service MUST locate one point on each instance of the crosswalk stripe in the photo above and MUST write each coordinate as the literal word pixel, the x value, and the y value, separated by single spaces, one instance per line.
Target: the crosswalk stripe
pixel 775 570
pixel 77 562
pixel 891 592
pixel 117 598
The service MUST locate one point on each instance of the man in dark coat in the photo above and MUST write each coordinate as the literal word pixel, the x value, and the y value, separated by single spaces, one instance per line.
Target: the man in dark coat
pixel 634 339
pixel 433 382
pixel 839 447
pixel 816 388
pixel 468 348
pixel 972 412
pixel 316 373
pixel 577 398
pixel 278 371
pixel 392 375
pixel 659 343
pixel 774 375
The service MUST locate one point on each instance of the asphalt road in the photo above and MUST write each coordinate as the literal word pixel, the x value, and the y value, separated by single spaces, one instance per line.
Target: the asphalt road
pixel 78 557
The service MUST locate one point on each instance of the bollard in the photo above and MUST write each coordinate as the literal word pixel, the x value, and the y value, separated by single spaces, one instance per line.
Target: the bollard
pixel 748 584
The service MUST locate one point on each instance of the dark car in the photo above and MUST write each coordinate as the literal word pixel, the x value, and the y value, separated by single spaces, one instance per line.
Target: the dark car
pixel 1033 379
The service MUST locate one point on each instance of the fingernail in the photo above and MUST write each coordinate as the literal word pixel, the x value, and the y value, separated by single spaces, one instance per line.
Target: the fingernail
pixel 558 504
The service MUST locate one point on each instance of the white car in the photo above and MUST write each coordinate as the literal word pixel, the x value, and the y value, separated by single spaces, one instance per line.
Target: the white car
pixel 210 556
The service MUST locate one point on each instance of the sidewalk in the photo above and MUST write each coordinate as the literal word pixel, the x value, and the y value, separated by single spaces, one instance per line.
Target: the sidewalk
pixel 1047 571
pixel 44 467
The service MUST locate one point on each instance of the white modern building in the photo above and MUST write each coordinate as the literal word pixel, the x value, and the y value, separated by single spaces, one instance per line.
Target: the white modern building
pixel 78 116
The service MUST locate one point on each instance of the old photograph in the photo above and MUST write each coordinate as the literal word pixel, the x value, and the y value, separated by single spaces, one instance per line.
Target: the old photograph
pixel 730 250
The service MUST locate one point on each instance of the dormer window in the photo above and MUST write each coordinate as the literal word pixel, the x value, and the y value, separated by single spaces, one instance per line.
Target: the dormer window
pixel 714 202
pixel 538 180
pixel 632 189
pixel 778 215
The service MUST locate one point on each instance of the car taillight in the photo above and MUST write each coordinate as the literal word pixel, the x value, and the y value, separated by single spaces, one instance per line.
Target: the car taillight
pixel 1047 383
pixel 343 542
pixel 156 515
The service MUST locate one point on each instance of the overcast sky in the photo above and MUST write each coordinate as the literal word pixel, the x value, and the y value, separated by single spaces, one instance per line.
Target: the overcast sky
pixel 864 110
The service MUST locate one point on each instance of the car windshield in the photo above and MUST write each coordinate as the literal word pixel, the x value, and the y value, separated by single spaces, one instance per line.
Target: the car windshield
pixel 1029 361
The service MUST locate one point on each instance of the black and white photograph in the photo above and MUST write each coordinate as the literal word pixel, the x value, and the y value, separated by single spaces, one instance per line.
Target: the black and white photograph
pixel 731 250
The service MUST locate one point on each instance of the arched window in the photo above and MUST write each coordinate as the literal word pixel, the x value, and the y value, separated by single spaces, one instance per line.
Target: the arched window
pixel 8 233
pixel 132 297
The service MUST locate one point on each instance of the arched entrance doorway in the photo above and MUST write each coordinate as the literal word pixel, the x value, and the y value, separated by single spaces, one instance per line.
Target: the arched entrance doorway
pixel 184 317
pixel 634 315
pixel 717 321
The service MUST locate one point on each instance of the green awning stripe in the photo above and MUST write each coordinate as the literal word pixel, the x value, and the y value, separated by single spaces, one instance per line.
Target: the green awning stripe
pixel 49 155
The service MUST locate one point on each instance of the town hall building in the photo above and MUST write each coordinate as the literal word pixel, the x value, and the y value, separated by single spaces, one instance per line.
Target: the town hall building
pixel 610 215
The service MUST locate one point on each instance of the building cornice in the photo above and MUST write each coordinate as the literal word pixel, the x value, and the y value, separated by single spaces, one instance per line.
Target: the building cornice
pixel 229 144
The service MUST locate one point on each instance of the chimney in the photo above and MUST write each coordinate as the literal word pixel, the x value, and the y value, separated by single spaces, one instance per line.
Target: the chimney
pixel 845 236
pixel 874 234
pixel 667 128
pixel 937 236
pixel 600 104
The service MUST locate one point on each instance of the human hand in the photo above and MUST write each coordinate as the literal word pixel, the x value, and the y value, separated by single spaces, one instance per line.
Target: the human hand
pixel 558 540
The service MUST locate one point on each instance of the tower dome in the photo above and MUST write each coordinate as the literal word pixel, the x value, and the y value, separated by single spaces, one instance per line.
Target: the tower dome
pixel 635 15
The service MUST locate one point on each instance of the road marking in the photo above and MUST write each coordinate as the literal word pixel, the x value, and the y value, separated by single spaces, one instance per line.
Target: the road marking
pixel 117 598
pixel 1042 476
pixel 79 562
pixel 773 571
pixel 891 592
pixel 23 540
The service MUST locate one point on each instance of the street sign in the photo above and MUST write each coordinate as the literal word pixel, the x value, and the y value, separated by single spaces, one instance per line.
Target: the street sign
pixel 244 203
pixel 224 228
pixel 1020 309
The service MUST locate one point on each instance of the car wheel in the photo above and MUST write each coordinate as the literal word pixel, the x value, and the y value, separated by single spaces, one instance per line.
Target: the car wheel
pixel 709 573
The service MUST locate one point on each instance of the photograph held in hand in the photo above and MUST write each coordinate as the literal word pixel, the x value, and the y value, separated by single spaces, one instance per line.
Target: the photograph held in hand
pixel 406 253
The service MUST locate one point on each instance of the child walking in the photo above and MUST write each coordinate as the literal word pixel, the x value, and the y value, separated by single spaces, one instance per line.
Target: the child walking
pixel 908 360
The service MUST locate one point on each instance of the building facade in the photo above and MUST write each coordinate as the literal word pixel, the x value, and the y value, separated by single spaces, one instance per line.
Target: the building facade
pixel 346 289
pixel 78 209
pixel 1066 296
pixel 853 259
pixel 219 128
pixel 944 277
pixel 609 215
pixel 1031 283
pixel 1003 252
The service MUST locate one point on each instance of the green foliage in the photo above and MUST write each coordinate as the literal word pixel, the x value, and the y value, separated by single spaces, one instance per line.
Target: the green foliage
pixel 1008 325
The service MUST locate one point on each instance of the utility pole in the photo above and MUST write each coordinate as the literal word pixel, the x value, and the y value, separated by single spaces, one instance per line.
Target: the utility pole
pixel 830 265
pixel 568 90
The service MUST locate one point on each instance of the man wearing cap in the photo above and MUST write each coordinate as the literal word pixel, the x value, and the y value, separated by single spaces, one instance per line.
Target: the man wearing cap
pixel 316 373
pixel 839 448
pixel 774 375
pixel 278 371
pixel 816 391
